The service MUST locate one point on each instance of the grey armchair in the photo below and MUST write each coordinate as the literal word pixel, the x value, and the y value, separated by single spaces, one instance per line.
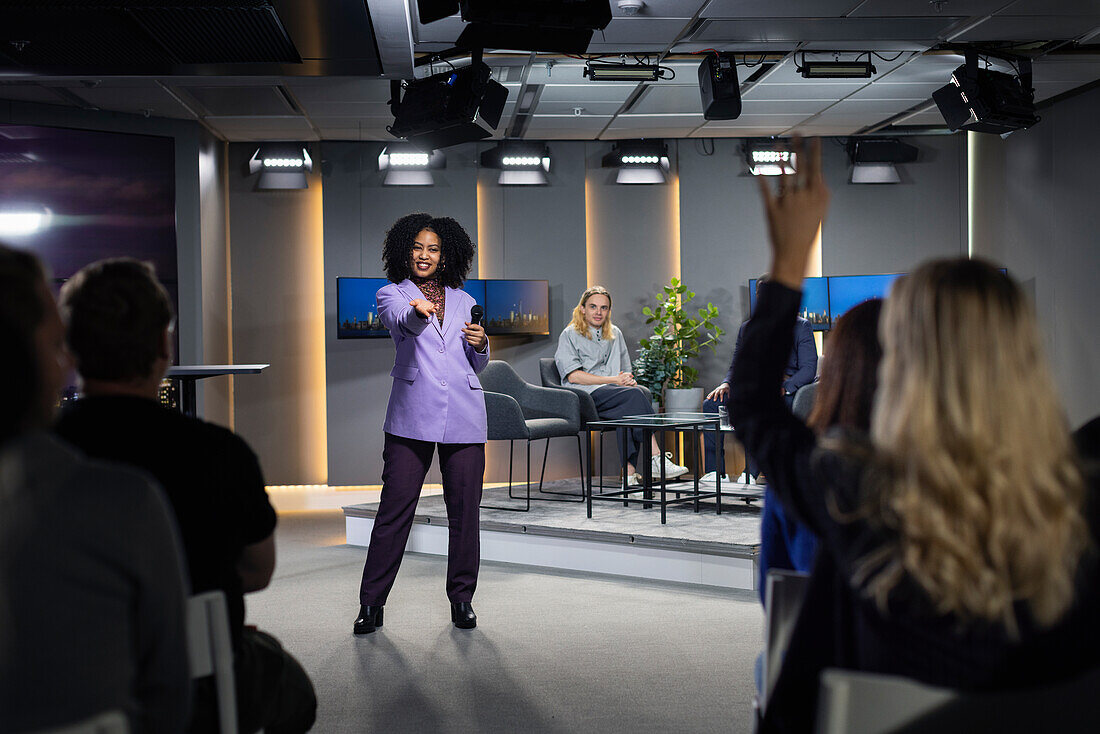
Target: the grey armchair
pixel 548 370
pixel 551 378
pixel 518 410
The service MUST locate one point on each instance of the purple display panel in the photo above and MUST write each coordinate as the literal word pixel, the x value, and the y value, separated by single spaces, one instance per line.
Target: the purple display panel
pixel 76 196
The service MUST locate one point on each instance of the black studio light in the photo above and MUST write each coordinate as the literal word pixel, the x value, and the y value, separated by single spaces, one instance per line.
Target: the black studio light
pixel 456 106
pixel 987 101
pixel 564 26
pixel 874 159
pixel 281 166
pixel 639 161
pixel 521 163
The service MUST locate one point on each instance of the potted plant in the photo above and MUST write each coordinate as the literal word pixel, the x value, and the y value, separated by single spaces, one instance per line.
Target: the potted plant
pixel 662 363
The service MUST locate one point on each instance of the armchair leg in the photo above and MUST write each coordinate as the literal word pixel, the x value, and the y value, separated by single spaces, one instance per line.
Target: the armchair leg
pixel 573 497
pixel 511 454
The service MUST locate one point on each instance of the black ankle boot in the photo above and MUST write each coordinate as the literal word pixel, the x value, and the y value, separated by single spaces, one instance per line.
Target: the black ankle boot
pixel 370 619
pixel 462 614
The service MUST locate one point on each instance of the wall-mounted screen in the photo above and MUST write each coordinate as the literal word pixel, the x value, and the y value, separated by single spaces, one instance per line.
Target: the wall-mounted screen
pixel 356 309
pixel 517 307
pixel 846 291
pixel 815 302
pixel 511 306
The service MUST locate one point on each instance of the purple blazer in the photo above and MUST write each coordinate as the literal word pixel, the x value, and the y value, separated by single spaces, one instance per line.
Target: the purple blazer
pixel 436 395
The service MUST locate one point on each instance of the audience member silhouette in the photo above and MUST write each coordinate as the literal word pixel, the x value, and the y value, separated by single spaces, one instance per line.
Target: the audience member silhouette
pixel 844 396
pixel 91 576
pixel 959 530
pixel 118 321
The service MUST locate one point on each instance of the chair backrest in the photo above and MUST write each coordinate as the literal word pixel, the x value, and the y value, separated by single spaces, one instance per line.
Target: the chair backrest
pixel 853 702
pixel 108 722
pixel 548 371
pixel 783 594
pixel 804 401
pixel 498 376
pixel 210 652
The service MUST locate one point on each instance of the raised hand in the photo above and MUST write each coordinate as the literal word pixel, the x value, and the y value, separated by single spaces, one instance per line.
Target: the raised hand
pixel 795 214
pixel 424 308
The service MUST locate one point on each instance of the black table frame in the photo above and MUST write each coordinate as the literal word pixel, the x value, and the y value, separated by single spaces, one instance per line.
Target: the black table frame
pixel 649 426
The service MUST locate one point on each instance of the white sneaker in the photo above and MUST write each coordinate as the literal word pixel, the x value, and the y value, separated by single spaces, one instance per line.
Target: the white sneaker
pixel 672 470
pixel 634 480
pixel 711 477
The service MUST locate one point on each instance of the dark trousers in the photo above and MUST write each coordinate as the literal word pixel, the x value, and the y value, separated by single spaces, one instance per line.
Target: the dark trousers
pixel 406 463
pixel 616 401
pixel 710 457
pixel 273 691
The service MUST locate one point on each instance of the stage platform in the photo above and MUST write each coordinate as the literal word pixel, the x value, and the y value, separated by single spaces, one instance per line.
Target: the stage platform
pixel 697 548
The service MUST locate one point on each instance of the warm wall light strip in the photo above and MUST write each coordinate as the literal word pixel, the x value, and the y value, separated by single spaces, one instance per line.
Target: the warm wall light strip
pixel 228 284
pixel 813 270
pixel 589 235
pixel 971 168
pixel 316 377
pixel 482 228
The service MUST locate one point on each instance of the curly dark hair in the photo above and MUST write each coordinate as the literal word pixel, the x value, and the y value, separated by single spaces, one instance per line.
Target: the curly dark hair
pixel 457 248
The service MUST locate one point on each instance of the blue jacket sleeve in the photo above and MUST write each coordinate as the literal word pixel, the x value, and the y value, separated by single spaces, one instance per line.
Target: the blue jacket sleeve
pixel 806 355
pixel 736 349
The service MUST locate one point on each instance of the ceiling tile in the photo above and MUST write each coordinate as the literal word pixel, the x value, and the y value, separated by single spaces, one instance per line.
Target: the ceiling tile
pixel 566 108
pixel 262 128
pixel 136 100
pixel 30 92
pixel 660 98
pixel 787 9
pixel 239 100
pixel 1034 27
pixel 1050 7
pixel 802 107
pixel 586 92
pixel 628 133
pixel 781 121
pixel 824 29
pixel 917 8
pixel 904 90
pixel 639 29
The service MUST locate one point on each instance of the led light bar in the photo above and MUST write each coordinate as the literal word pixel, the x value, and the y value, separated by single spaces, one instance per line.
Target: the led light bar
pixel 769 160
pixel 515 161
pixel 837 69
pixel 641 159
pixel 410 159
pixel 622 72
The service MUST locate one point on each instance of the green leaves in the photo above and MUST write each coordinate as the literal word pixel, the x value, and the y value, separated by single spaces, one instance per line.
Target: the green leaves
pixel 677 338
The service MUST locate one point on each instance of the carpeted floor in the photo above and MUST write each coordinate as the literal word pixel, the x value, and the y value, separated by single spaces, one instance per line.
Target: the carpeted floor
pixel 553 651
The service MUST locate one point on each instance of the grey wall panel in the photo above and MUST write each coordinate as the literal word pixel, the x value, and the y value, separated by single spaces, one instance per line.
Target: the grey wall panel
pixel 633 248
pixel 358 212
pixel 536 232
pixel 1036 213
pixel 276 252
pixel 724 240
pixel 213 203
pixel 890 228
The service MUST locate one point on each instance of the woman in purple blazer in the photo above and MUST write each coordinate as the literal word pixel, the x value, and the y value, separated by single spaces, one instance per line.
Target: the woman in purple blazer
pixel 436 401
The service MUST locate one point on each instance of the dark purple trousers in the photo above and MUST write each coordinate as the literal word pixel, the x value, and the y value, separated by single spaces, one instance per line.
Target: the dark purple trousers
pixel 406 463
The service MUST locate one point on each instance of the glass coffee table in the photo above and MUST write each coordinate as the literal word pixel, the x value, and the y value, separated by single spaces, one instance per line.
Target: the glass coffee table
pixel 694 423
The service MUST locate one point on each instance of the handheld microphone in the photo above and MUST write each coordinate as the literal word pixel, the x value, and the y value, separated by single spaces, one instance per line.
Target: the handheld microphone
pixel 476 314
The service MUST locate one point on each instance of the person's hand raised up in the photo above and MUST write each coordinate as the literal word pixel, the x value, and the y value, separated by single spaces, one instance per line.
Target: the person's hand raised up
pixel 795 214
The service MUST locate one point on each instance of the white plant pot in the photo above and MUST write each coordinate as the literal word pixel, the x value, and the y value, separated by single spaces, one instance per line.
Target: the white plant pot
pixel 679 400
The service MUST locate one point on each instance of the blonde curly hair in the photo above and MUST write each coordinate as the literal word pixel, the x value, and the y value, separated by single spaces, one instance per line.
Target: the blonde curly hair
pixel 974 470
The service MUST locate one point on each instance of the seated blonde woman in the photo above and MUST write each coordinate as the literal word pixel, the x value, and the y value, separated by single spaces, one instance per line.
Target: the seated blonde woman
pixel 956 533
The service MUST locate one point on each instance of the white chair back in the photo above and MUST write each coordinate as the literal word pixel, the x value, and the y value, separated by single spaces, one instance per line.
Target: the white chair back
pixel 852 702
pixel 210 652
pixel 783 594
pixel 108 722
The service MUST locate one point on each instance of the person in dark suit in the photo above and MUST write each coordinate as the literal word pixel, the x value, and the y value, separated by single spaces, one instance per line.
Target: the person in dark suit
pixel 801 370
pixel 436 403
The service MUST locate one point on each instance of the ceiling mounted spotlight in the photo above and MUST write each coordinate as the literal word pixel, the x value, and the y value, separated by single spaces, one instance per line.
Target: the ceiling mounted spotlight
pixel 406 165
pixel 456 106
pixel 836 69
pixel 561 26
pixel 988 101
pixel 639 161
pixel 874 159
pixel 281 166
pixel 771 158
pixel 521 163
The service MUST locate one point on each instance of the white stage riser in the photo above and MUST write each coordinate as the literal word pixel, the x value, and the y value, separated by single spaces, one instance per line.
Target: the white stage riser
pixel 574 554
